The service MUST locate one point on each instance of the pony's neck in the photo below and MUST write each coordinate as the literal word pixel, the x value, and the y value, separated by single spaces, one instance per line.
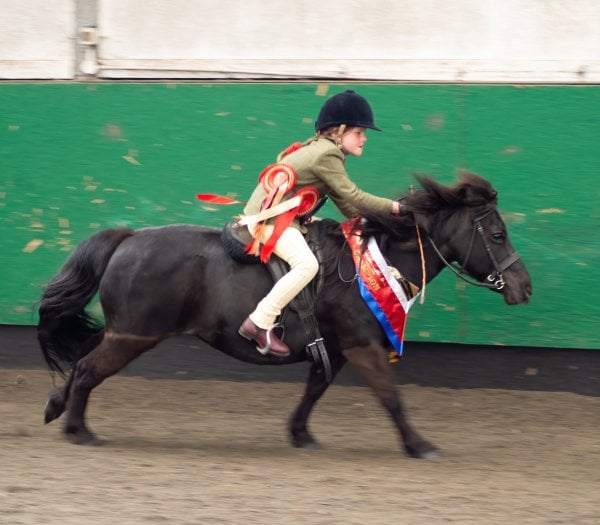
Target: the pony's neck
pixel 410 258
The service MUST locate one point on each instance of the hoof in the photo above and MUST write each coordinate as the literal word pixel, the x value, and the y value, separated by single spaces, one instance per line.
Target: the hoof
pixel 55 406
pixel 305 441
pixel 424 451
pixel 83 437
pixel 430 454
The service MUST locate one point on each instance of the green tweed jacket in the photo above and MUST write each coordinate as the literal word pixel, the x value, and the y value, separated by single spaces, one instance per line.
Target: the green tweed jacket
pixel 320 164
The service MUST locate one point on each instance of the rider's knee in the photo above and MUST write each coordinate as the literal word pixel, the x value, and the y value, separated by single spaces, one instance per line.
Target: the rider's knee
pixel 305 266
pixel 313 266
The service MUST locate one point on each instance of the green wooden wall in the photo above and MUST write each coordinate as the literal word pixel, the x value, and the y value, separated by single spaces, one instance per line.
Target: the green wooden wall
pixel 76 158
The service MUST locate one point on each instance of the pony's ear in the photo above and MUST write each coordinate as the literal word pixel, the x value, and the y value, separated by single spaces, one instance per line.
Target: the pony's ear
pixel 474 195
pixel 474 190
pixel 464 193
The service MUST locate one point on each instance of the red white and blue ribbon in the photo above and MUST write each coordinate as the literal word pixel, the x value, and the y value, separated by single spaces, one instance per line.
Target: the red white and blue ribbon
pixel 378 287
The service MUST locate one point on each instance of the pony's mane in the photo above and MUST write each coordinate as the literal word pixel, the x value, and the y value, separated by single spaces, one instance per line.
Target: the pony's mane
pixel 471 190
pixel 433 200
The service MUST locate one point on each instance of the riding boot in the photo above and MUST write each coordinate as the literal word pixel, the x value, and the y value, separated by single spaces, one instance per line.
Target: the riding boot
pixel 266 340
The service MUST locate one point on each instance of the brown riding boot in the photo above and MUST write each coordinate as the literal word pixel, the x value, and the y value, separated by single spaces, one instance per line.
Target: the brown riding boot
pixel 266 340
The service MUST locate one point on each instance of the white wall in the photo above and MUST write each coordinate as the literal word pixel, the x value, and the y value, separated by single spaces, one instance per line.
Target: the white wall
pixel 429 40
pixel 37 39
pixel 404 40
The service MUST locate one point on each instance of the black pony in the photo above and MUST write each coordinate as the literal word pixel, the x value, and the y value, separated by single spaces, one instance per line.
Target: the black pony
pixel 156 283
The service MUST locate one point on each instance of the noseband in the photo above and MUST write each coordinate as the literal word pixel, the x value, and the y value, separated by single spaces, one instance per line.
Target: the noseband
pixel 494 280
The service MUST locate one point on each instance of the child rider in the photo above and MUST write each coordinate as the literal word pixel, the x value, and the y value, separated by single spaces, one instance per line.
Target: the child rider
pixel 319 163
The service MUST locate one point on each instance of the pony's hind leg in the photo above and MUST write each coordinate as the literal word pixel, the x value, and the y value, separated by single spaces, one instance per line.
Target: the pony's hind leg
pixel 111 355
pixel 315 387
pixel 371 362
pixel 57 401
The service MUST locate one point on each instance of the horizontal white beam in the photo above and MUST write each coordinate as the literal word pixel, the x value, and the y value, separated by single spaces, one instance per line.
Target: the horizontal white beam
pixel 539 71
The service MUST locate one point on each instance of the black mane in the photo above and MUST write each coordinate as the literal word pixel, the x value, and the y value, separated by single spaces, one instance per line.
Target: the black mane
pixel 470 190
pixel 433 198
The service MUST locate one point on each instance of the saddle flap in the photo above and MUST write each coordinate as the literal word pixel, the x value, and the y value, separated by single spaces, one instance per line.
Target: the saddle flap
pixel 234 238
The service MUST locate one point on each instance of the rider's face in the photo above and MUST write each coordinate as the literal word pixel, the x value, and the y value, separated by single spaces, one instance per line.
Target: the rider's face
pixel 353 141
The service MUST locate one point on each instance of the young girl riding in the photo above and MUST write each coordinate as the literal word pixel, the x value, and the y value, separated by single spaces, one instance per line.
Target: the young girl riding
pixel 318 164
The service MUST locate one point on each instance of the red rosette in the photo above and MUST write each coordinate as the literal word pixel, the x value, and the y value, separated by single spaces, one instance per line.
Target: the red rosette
pixel 291 148
pixel 310 198
pixel 276 175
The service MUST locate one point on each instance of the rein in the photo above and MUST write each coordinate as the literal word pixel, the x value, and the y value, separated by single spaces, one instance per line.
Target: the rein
pixel 494 280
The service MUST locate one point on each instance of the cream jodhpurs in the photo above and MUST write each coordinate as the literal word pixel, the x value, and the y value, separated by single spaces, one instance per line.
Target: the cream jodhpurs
pixel 292 248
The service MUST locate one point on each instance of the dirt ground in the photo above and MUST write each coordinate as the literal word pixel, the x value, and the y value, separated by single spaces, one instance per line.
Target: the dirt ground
pixel 216 452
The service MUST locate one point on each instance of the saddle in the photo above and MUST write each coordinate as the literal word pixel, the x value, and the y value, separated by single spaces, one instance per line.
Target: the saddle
pixel 235 237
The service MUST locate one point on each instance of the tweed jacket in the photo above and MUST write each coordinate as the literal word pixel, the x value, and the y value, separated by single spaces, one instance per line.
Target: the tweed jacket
pixel 321 165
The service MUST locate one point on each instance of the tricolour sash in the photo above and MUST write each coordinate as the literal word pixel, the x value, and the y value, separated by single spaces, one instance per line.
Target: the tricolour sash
pixel 386 297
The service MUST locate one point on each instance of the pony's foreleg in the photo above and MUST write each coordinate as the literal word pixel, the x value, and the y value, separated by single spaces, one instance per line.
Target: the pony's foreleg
pixel 371 362
pixel 315 387
pixel 111 355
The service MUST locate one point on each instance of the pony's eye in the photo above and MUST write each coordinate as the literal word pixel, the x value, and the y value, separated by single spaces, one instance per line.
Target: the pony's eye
pixel 498 236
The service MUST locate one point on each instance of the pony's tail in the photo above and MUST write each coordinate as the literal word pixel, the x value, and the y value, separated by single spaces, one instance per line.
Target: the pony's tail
pixel 65 331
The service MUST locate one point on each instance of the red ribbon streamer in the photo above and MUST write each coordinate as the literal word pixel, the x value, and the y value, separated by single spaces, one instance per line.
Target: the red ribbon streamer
pixel 216 199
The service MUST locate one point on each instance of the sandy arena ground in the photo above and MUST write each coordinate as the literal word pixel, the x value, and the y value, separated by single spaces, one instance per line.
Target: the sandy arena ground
pixel 217 452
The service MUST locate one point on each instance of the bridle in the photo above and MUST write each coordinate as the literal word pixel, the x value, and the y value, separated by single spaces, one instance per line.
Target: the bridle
pixel 494 280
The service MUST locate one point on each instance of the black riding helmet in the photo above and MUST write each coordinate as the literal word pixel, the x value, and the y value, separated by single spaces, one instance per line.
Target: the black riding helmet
pixel 346 108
